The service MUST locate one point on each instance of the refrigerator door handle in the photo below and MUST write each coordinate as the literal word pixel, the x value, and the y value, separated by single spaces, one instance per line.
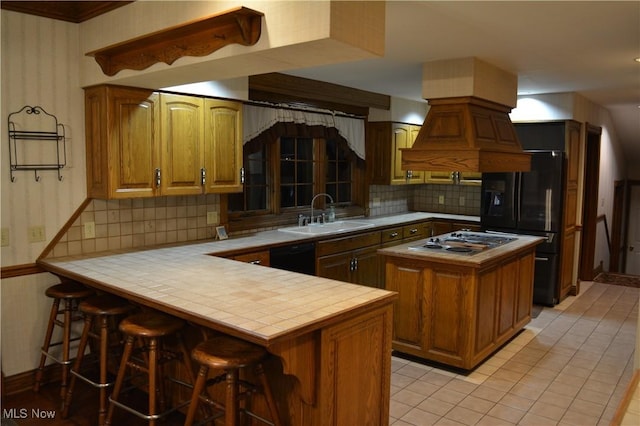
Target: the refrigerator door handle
pixel 516 196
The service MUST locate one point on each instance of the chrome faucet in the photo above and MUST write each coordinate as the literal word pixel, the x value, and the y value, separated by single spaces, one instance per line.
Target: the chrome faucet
pixel 314 199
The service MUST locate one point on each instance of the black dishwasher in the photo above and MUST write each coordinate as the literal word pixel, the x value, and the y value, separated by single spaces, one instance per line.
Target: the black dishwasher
pixel 296 257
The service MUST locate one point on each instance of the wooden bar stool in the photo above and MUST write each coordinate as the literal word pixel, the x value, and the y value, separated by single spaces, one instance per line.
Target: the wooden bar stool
pixel 149 330
pixel 71 293
pixel 230 355
pixel 102 311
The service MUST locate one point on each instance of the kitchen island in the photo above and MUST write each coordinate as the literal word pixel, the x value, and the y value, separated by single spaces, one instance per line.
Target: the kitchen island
pixel 457 306
pixel 331 340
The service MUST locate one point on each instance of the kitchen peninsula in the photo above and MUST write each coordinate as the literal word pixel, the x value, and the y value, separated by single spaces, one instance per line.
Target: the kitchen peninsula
pixel 331 340
pixel 460 298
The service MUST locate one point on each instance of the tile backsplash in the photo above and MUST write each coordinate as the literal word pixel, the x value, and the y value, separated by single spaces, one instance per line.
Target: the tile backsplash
pixel 438 198
pixel 141 222
pixel 146 222
pixel 454 199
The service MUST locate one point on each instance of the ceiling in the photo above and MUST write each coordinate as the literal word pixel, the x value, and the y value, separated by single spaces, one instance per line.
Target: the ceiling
pixel 553 46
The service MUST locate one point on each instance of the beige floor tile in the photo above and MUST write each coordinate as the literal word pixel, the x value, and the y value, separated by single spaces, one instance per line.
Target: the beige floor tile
pixel 464 416
pixel 516 401
pixel 435 406
pixel 507 413
pixel 418 417
pixel 548 411
pixel 476 404
pixel 493 421
pixel 408 397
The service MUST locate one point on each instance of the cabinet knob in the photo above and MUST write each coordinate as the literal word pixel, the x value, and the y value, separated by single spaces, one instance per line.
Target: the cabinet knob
pixel 413 231
pixel 393 234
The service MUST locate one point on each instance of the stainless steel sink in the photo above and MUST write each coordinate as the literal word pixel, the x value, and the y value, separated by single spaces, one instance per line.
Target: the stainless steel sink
pixel 327 228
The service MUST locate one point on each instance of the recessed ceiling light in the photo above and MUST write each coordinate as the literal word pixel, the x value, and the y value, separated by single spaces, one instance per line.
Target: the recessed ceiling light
pixel 637 59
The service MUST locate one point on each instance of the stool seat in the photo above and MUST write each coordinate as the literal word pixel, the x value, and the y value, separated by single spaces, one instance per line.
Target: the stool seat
pixel 225 352
pixel 148 329
pixel 150 325
pixel 68 290
pixel 231 355
pixel 105 305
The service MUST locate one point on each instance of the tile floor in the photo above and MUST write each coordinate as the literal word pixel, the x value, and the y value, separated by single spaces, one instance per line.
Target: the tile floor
pixel 570 366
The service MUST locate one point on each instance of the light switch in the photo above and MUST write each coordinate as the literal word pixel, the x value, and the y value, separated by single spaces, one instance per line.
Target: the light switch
pixel 440 199
pixel 461 201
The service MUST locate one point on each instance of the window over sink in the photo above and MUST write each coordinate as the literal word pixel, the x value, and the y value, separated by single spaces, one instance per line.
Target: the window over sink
pixel 284 172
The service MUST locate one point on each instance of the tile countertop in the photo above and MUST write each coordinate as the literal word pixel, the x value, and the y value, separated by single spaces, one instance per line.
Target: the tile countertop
pixel 249 301
pixel 485 256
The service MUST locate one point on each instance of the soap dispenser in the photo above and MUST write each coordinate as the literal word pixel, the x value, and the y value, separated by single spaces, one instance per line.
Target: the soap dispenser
pixel 332 214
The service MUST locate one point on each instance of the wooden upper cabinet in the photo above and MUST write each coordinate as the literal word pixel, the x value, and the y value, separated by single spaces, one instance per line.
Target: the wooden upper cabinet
pixel 122 142
pixel 142 143
pixel 182 138
pixel 384 158
pixel 223 146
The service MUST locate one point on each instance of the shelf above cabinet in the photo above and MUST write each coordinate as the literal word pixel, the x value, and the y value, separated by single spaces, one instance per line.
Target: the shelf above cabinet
pixel 197 38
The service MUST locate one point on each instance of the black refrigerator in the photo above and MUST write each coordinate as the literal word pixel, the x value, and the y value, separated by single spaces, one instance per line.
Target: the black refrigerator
pixel 530 203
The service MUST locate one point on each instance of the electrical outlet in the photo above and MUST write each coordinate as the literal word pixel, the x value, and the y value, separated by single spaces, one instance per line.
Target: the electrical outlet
pixel 440 199
pixel 36 234
pixel 212 218
pixel 461 201
pixel 5 237
pixel 376 202
pixel 89 230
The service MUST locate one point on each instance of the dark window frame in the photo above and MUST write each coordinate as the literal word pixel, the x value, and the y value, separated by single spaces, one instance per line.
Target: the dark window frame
pixel 277 216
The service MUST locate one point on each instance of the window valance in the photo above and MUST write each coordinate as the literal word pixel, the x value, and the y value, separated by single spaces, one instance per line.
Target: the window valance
pixel 257 119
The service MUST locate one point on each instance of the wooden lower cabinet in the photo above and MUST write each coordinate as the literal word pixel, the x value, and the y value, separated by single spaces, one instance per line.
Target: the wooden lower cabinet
pixel 349 383
pixel 458 315
pixel 351 259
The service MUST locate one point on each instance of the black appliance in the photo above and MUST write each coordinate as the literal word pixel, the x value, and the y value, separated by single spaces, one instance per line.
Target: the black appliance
pixel 295 257
pixel 530 203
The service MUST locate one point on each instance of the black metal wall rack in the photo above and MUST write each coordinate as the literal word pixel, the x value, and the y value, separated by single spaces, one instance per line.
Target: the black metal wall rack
pixel 20 141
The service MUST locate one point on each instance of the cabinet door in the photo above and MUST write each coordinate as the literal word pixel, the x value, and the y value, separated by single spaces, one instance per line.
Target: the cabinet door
pixel 133 153
pixel 408 309
pixel 366 267
pixel 182 144
pixel 403 136
pixel 335 266
pixel 508 279
pixel 223 146
pixel 447 309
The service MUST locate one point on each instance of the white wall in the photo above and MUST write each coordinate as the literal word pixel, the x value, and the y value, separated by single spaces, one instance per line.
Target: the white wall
pixel 48 77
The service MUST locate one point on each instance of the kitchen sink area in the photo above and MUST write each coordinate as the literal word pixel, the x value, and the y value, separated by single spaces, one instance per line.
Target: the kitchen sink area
pixel 328 228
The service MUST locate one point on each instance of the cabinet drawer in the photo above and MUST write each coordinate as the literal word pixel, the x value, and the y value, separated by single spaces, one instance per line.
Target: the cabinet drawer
pixel 416 230
pixel 337 245
pixel 392 234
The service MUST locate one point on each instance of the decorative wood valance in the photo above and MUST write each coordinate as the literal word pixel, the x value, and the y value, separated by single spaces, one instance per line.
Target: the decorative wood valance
pixel 197 38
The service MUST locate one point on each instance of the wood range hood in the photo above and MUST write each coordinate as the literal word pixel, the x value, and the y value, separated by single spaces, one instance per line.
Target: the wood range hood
pixel 467 128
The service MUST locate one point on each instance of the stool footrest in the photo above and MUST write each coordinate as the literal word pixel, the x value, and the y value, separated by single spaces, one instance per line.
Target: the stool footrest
pixel 91 382
pixel 57 360
pixel 142 415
